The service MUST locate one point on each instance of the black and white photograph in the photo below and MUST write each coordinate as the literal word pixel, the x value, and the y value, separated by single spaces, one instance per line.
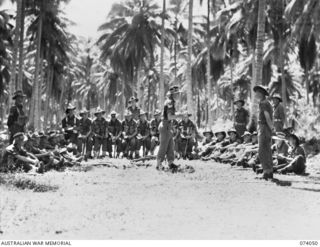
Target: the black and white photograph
pixel 159 120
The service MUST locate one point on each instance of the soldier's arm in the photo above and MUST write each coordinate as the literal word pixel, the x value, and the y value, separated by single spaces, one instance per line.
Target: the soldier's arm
pixel 268 119
pixel 12 116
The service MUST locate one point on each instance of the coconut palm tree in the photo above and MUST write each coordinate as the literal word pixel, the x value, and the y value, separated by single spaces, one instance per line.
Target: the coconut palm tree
pixel 190 103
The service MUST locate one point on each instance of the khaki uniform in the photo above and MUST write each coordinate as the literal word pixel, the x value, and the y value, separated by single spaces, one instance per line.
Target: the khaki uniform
pixel 241 120
pixel 84 127
pixel 99 131
pixel 264 137
pixel 115 127
pixel 135 112
pixel 279 118
pixel 143 130
pixel 129 144
pixel 154 127
pixel 185 145
pixel 69 124
pixel 17 121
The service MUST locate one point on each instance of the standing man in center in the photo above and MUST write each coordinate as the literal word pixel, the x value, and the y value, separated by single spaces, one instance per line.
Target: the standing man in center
pixel 133 108
pixel 265 129
pixel 241 117
pixel 166 148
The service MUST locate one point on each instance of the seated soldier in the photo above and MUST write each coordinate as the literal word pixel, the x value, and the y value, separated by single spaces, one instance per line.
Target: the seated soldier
pixel 84 126
pixel 143 137
pixel 220 138
pixel 232 141
pixel 50 161
pixel 186 139
pixel 16 158
pixel 154 129
pixel 115 131
pixel 44 140
pixel 249 157
pixel 296 160
pixel 235 152
pixel 129 143
pixel 208 139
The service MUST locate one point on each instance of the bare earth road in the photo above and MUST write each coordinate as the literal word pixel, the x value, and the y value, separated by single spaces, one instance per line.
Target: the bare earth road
pixel 215 202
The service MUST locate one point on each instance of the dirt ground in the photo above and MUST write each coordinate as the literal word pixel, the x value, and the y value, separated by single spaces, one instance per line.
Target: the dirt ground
pixel 214 202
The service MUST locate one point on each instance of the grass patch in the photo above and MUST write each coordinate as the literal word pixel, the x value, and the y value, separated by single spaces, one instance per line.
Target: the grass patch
pixel 25 183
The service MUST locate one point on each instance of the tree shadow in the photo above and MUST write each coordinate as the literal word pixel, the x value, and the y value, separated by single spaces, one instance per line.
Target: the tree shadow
pixel 307 189
pixel 281 182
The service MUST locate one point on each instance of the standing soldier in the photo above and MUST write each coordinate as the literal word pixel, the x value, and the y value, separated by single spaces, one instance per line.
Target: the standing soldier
pixel 84 139
pixel 99 127
pixel 186 139
pixel 154 127
pixel 166 149
pixel 17 119
pixel 129 142
pixel 115 131
pixel 69 125
pixel 241 117
pixel 133 108
pixel 279 116
pixel 265 129
pixel 143 136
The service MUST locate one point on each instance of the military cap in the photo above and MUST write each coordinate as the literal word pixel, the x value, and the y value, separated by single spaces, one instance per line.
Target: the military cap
pixel 70 107
pixel 18 93
pixel 187 113
pixel 113 113
pixel 17 135
pixel 276 96
pixel 207 131
pixel 133 99
pixel 157 113
pixel 239 100
pixel 35 135
pixel 232 130
pixel 220 132
pixel 83 111
pixel 261 89
pixel 246 133
pixel 99 110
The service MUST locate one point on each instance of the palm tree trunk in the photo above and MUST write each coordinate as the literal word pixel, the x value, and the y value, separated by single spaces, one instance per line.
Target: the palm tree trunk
pixel 35 93
pixel 13 77
pixel 283 80
pixel 209 86
pixel 259 55
pixel 140 89
pixel 253 62
pixel 189 68
pixel 41 80
pixel 48 95
pixel 231 88
pixel 21 45
pixel 161 86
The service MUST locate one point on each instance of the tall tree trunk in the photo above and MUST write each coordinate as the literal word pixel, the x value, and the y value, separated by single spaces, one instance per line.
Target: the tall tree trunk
pixel 140 88
pixel 48 96
pixel 40 83
pixel 209 86
pixel 283 79
pixel 13 74
pixel 259 55
pixel 161 86
pixel 231 88
pixel 35 94
pixel 189 68
pixel 253 62
pixel 307 81
pixel 21 45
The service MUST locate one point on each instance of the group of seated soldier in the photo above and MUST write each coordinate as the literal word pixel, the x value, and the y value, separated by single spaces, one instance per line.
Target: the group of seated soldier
pixel 229 147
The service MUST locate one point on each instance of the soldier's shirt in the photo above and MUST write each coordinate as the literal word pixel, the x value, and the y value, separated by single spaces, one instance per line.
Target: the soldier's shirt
pixel 11 152
pixel 264 106
pixel 154 126
pixel 279 117
pixel 169 108
pixel 16 119
pixel 45 144
pixel 31 147
pixel 99 126
pixel 84 126
pixel 187 128
pixel 114 127
pixel 240 120
pixel 135 112
pixel 68 122
pixel 143 127
pixel 296 152
pixel 129 127
pixel 282 149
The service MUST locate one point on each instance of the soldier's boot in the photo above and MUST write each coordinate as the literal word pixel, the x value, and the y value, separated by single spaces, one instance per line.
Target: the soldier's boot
pixel 159 166
pixel 173 167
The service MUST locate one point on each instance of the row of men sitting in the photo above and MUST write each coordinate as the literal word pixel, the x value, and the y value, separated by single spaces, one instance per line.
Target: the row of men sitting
pixel 288 155
pixel 125 137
